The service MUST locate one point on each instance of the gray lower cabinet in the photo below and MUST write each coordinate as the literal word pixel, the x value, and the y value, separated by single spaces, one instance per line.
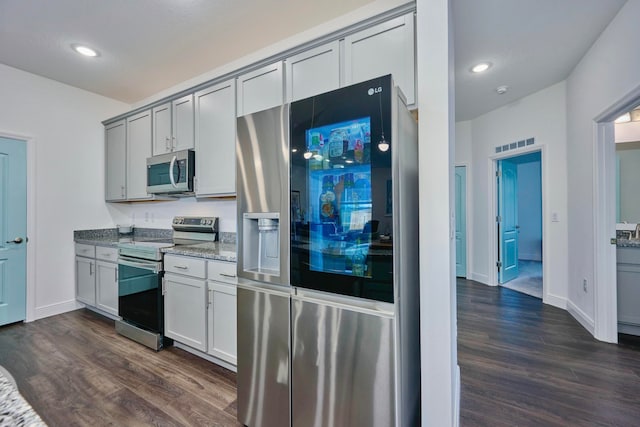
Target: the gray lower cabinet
pixel 115 137
pixel 86 280
pixel 185 314
pixel 215 140
pixel 628 271
pixel 222 311
pixel 107 279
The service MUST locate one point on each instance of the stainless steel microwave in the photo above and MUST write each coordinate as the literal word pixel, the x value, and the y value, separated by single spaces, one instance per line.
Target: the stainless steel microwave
pixel 171 173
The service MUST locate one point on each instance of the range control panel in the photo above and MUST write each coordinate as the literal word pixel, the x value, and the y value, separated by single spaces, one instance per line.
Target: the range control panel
pixel 200 224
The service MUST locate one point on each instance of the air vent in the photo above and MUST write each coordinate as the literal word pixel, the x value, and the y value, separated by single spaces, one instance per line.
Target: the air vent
pixel 515 145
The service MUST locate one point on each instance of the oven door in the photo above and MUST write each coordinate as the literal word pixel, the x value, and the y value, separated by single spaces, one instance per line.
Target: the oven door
pixel 140 293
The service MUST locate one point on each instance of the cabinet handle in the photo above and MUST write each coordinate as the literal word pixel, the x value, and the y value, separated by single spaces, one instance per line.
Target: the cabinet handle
pixel 116 271
pixel 166 143
pixel 210 299
pixel 164 286
pixel 175 144
pixel 181 267
pixel 233 276
pixel 90 269
pixel 122 190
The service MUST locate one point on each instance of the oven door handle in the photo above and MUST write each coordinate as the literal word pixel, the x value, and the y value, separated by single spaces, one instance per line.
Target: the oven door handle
pixel 151 266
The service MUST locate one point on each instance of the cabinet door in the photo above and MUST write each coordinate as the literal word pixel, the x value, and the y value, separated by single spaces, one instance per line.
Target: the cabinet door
pixel 138 150
pixel 216 140
pixel 387 48
pixel 183 123
pixel 162 141
pixel 313 72
pixel 86 280
pixel 261 89
pixel 115 143
pixel 107 287
pixel 222 330
pixel 185 314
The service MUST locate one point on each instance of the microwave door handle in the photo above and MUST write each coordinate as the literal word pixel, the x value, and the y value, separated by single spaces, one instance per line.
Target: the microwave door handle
pixel 171 177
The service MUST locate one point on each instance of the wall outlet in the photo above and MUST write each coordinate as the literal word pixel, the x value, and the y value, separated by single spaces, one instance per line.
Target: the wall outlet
pixel 584 285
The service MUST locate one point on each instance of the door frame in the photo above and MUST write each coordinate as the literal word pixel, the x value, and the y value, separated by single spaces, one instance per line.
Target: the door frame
pixel 605 276
pixel 493 213
pixel 31 220
pixel 468 217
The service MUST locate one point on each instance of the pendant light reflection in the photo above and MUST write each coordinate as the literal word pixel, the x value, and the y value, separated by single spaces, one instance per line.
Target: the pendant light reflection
pixel 383 145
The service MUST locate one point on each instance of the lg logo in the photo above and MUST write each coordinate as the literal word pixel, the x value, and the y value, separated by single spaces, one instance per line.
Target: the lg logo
pixel 374 90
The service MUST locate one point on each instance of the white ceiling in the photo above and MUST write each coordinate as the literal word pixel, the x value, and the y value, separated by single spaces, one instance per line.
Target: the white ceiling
pixel 149 45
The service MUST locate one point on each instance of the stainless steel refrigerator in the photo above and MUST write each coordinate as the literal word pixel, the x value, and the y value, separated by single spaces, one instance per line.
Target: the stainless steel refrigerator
pixel 328 272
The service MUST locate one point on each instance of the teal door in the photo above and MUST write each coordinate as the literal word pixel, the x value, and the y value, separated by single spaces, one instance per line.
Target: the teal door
pixel 13 230
pixel 461 221
pixel 507 221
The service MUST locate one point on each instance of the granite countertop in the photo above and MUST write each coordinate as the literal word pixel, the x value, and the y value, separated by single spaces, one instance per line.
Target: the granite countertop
pixel 210 250
pixel 224 250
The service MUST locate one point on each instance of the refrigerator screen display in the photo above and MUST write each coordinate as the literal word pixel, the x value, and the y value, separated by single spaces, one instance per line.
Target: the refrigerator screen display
pixel 339 177
pixel 341 201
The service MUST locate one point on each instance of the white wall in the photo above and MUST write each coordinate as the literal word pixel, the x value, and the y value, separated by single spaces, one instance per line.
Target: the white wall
pixel 541 115
pixel 606 74
pixel 69 159
pixel 464 153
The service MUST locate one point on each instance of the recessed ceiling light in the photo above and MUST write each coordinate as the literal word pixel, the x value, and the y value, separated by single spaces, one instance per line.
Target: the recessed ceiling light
pixel 502 89
pixel 84 50
pixel 626 117
pixel 481 67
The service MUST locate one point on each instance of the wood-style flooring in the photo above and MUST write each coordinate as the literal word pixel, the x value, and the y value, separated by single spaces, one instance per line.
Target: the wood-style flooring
pixel 75 370
pixel 523 363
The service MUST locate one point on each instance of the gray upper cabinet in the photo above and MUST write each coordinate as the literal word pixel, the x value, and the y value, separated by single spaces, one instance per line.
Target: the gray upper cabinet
pixel 215 139
pixel 313 71
pixel 173 126
pixel 162 137
pixel 261 89
pixel 183 123
pixel 138 149
pixel 115 137
pixel 387 48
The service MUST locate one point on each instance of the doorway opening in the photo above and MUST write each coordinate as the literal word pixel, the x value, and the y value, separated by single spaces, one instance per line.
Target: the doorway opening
pixel 519 223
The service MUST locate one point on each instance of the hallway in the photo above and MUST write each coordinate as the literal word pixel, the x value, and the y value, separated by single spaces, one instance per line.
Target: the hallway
pixel 525 363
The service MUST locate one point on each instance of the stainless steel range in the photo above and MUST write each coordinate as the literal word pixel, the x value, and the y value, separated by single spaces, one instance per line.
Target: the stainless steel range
pixel 140 275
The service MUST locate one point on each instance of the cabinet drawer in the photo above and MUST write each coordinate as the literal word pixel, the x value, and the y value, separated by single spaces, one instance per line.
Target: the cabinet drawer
pixel 222 271
pixel 88 251
pixel 194 267
pixel 107 254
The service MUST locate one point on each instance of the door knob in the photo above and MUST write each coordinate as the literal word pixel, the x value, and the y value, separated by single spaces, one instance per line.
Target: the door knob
pixel 17 240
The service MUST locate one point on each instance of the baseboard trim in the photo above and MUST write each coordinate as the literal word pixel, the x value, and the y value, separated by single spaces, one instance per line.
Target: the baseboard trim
pixel 482 278
pixel 57 308
pixel 555 301
pixel 581 317
pixel 456 398
pixel 206 356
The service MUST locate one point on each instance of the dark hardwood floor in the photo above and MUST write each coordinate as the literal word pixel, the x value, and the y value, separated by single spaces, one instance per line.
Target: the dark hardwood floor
pixel 76 371
pixel 522 363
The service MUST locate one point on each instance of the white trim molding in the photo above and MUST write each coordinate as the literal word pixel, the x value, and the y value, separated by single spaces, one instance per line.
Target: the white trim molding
pixel 57 308
pixel 581 317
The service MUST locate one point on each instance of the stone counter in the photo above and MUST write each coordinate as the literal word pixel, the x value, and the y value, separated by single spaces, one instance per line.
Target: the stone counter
pixel 220 251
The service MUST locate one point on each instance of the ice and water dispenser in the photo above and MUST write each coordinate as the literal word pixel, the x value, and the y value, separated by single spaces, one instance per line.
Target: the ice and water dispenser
pixel 261 243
